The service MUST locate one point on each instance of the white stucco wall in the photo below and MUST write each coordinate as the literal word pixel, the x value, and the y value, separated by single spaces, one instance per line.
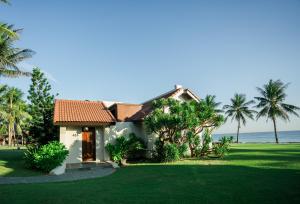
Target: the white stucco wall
pixel 71 137
pixel 119 129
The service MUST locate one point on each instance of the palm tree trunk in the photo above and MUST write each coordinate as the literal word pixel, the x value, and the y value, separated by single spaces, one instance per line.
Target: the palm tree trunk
pixel 9 135
pixel 10 125
pixel 238 132
pixel 275 130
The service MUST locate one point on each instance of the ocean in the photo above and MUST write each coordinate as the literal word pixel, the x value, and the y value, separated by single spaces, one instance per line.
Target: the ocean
pixel 263 137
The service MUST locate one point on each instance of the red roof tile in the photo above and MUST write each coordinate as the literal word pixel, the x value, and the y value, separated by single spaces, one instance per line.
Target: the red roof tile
pixel 75 111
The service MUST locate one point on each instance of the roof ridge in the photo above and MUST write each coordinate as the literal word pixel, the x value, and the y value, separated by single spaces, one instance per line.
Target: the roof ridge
pixel 74 100
pixel 162 95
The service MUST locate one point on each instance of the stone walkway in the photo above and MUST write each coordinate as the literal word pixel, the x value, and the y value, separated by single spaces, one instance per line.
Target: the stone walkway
pixel 70 175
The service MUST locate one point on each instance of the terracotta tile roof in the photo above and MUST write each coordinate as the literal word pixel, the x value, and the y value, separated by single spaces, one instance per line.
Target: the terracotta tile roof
pixel 124 111
pixel 85 112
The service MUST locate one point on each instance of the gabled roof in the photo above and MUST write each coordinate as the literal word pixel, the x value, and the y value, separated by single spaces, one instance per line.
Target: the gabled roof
pixel 124 111
pixel 81 112
pixel 147 106
pixel 96 113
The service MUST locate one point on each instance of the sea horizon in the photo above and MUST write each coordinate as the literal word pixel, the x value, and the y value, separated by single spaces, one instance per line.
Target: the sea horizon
pixel 286 136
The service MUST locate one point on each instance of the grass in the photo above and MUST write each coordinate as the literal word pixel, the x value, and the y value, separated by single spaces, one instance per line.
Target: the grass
pixel 252 173
pixel 12 163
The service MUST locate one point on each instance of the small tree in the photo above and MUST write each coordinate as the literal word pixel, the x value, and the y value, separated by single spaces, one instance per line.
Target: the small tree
pixel 41 108
pixel 180 122
pixel 203 115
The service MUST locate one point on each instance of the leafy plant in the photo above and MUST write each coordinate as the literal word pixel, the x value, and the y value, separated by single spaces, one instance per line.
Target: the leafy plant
pixel 171 153
pixel 124 147
pixel 182 149
pixel 182 123
pixel 222 147
pixel 204 150
pixel 46 157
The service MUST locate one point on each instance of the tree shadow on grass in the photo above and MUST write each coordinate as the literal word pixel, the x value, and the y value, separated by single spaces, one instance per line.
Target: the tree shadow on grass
pixel 12 163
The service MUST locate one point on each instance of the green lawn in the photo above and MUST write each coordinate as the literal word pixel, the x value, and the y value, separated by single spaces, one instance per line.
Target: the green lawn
pixel 252 173
pixel 12 164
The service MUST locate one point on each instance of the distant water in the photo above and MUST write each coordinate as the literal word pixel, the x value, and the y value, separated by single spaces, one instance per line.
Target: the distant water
pixel 263 137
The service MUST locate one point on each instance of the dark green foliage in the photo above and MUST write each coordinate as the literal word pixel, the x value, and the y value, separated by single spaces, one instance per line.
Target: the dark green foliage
pixel 46 157
pixel 182 123
pixel 30 153
pixel 182 149
pixel 171 153
pixel 158 154
pixel 41 108
pixel 124 147
pixel 207 139
pixel 222 147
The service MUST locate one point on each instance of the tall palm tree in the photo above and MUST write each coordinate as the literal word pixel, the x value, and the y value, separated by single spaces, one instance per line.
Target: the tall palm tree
pixel 272 103
pixel 14 112
pixel 11 56
pixel 3 89
pixel 239 110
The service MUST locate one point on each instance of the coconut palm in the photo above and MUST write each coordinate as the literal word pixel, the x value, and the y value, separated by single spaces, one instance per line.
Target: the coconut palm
pixel 239 110
pixel 7 30
pixel 14 112
pixel 11 56
pixel 272 103
pixel 210 100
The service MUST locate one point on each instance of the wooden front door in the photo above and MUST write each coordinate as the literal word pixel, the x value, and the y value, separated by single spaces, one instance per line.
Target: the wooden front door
pixel 88 144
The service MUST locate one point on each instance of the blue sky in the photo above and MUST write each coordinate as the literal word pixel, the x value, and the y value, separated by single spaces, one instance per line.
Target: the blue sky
pixel 134 50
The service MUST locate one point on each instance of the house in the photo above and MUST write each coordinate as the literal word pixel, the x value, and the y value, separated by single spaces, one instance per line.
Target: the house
pixel 87 126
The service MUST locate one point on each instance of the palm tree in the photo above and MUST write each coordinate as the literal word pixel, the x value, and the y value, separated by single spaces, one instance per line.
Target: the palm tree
pixel 239 110
pixel 14 112
pixel 11 56
pixel 3 89
pixel 210 101
pixel 7 30
pixel 272 103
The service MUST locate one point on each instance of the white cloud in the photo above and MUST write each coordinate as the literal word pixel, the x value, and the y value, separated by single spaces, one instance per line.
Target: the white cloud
pixel 28 67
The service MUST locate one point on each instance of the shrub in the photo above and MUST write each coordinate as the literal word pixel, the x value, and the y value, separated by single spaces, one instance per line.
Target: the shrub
pixel 222 148
pixel 124 147
pixel 47 157
pixel 171 153
pixel 205 144
pixel 182 149
pixel 29 155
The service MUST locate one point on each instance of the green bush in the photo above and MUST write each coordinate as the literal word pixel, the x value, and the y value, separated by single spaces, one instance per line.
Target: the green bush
pixel 182 149
pixel 47 157
pixel 207 139
pixel 124 147
pixel 171 153
pixel 30 154
pixel 222 148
